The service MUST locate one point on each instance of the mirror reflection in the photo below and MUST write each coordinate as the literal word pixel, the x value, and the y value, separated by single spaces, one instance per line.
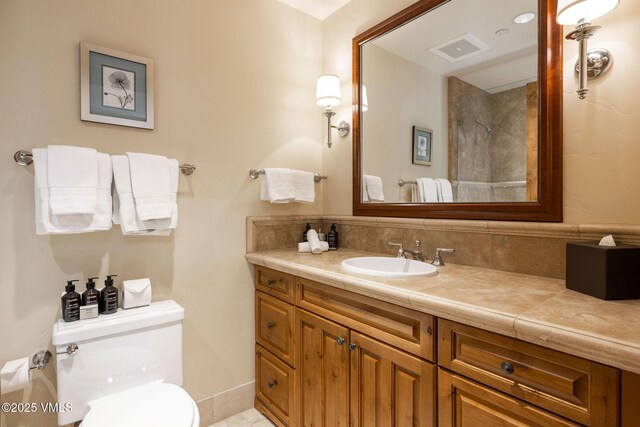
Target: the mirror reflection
pixel 450 106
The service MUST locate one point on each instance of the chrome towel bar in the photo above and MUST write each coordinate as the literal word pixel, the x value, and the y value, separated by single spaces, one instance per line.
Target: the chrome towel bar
pixel 255 174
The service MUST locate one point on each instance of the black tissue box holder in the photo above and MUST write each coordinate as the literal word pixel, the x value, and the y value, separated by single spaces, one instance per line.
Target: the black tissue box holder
pixel 605 272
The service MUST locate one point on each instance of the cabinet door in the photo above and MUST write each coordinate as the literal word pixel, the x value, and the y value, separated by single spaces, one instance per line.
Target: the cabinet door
pixel 465 403
pixel 323 371
pixel 389 387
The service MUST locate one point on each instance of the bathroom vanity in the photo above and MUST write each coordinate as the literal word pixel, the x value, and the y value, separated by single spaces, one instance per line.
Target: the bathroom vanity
pixel 468 346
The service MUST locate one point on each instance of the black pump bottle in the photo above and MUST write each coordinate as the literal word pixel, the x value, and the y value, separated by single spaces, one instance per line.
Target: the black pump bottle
pixel 304 234
pixel 108 297
pixel 70 303
pixel 91 295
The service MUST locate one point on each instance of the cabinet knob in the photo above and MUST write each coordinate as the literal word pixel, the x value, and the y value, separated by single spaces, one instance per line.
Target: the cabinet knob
pixel 270 325
pixel 352 346
pixel 270 282
pixel 507 368
pixel 340 341
pixel 429 330
pixel 272 383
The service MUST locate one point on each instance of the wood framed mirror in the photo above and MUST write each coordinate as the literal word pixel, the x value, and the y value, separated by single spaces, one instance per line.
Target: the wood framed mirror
pixel 455 127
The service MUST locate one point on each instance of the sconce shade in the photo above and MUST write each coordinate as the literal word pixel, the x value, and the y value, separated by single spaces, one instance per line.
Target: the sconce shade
pixel 365 101
pixel 328 91
pixel 571 12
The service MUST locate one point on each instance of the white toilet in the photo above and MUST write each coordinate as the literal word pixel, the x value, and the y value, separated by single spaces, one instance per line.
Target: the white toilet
pixel 126 370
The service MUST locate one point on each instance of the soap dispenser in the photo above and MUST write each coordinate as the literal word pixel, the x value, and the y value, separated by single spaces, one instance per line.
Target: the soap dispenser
pixel 306 230
pixel 109 297
pixel 332 238
pixel 91 295
pixel 71 303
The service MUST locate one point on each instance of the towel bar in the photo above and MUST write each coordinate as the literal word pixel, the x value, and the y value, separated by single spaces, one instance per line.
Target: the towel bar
pixel 255 173
pixel 402 182
pixel 25 158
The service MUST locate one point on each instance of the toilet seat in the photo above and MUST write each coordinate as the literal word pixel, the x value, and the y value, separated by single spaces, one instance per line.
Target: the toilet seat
pixel 153 405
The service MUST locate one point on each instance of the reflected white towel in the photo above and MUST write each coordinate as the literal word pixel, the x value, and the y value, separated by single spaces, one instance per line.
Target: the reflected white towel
pixel 276 186
pixel 428 189
pixel 72 179
pixel 445 192
pixel 124 204
pixel 48 223
pixel 415 194
pixel 303 186
pixel 305 247
pixel 374 188
pixel 151 185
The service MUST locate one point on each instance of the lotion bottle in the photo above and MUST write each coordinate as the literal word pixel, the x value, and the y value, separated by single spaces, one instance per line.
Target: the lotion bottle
pixel 91 295
pixel 304 235
pixel 108 297
pixel 332 238
pixel 70 303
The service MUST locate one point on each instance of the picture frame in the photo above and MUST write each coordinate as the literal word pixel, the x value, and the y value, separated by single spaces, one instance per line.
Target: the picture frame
pixel 115 87
pixel 422 146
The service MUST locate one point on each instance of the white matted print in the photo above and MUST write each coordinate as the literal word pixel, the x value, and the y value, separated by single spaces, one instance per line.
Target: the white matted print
pixel 118 88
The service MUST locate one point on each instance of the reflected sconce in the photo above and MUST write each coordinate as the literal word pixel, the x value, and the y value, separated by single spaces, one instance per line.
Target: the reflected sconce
pixel 593 63
pixel 328 96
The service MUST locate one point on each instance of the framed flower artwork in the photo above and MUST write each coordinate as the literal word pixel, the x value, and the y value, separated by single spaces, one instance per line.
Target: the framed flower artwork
pixel 115 87
pixel 422 146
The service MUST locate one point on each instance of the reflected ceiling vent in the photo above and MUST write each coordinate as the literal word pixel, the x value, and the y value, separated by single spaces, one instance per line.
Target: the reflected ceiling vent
pixel 459 48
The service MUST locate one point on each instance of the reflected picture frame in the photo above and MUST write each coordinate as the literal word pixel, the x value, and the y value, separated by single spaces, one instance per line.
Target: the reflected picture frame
pixel 422 146
pixel 116 87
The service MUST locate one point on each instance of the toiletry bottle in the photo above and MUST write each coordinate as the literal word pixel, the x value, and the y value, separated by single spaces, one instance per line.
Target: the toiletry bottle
pixel 321 236
pixel 332 238
pixel 91 295
pixel 109 297
pixel 71 303
pixel 304 235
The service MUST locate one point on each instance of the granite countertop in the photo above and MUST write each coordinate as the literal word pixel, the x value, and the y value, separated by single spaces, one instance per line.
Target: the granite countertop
pixel 535 309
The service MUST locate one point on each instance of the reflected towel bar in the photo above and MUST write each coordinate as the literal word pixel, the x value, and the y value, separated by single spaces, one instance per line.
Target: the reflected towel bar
pixel 255 174
pixel 402 182
pixel 25 158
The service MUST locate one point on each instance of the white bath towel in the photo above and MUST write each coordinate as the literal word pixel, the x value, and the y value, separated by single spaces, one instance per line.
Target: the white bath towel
pixel 276 186
pixel 429 190
pixel 48 223
pixel 305 247
pixel 151 185
pixel 445 192
pixel 303 186
pixel 415 193
pixel 72 179
pixel 374 188
pixel 314 242
pixel 124 204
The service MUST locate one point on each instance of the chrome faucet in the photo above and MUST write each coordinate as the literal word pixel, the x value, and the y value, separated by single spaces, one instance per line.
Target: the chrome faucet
pixel 437 259
pixel 402 252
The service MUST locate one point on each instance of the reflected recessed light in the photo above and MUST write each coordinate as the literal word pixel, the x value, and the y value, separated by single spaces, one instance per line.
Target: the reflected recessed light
pixel 502 32
pixel 523 18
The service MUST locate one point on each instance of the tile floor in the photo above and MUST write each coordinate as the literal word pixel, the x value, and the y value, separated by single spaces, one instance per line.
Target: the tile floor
pixel 249 418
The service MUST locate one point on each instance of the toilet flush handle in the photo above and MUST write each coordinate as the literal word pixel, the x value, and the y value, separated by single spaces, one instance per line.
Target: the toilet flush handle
pixel 71 350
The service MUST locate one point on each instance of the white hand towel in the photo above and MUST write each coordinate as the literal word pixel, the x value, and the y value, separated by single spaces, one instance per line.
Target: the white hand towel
pixel 305 247
pixel 276 186
pixel 48 223
pixel 73 179
pixel 429 189
pixel 151 185
pixel 445 192
pixel 124 204
pixel 303 186
pixel 415 194
pixel 374 188
pixel 314 242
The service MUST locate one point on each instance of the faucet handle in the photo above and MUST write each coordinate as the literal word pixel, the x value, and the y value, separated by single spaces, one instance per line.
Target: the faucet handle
pixel 437 259
pixel 400 248
pixel 418 243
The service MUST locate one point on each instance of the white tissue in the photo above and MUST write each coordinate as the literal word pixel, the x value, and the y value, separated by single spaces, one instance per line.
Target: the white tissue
pixel 15 375
pixel 305 247
pixel 607 241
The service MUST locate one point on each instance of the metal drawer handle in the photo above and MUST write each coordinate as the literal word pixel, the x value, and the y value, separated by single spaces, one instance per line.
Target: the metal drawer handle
pixel 272 383
pixel 270 282
pixel 352 346
pixel 271 325
pixel 429 330
pixel 507 368
pixel 340 341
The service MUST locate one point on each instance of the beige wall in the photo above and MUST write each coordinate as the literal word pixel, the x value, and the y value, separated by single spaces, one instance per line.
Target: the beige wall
pixel 235 83
pixel 417 97
pixel 601 134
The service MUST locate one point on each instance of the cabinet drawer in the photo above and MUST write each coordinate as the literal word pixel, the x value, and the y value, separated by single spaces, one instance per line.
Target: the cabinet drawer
pixel 581 390
pixel 275 283
pixel 275 325
pixel 406 329
pixel 275 385
pixel 465 403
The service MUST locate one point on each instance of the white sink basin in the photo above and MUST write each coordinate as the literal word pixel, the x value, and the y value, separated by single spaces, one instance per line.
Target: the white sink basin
pixel 389 267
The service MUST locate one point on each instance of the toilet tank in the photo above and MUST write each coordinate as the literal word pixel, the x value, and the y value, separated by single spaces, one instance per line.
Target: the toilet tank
pixel 116 352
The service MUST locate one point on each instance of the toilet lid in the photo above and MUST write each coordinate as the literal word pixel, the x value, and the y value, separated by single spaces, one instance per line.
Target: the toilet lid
pixel 153 405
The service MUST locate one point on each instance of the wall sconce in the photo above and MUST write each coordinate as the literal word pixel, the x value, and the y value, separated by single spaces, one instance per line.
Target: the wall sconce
pixel 328 96
pixel 593 63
